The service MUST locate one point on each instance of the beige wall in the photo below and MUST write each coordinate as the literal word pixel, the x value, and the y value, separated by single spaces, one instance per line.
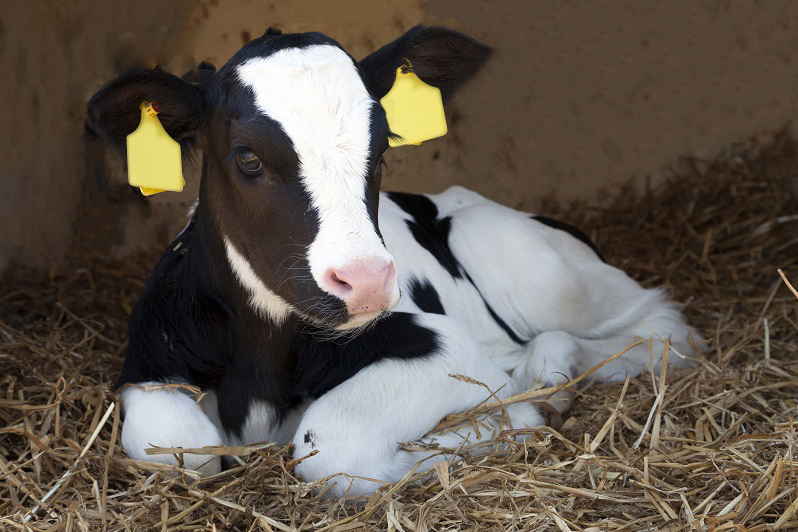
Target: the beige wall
pixel 580 95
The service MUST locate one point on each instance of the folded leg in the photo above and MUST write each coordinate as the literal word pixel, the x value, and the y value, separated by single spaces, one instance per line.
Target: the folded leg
pixel 166 417
pixel 357 426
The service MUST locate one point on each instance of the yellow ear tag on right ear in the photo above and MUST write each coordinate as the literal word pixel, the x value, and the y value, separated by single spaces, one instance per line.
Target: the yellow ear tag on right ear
pixel 414 109
pixel 153 157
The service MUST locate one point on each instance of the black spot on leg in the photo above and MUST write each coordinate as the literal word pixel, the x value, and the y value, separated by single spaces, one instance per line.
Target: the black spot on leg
pixel 309 439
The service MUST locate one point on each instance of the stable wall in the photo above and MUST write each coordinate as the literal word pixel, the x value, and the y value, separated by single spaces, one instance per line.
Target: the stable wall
pixel 579 96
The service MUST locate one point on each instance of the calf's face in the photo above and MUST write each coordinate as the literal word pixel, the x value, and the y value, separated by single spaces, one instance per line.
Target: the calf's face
pixel 292 135
pixel 296 141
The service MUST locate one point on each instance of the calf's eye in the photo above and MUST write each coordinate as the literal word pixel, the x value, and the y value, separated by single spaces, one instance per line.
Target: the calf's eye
pixel 248 162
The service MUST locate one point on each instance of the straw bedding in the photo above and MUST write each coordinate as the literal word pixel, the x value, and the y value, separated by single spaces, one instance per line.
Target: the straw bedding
pixel 711 448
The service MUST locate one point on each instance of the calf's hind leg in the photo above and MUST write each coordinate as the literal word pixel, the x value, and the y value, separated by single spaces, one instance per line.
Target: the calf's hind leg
pixel 166 417
pixel 555 290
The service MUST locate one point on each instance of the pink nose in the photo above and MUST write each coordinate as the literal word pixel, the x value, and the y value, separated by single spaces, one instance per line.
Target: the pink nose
pixel 366 286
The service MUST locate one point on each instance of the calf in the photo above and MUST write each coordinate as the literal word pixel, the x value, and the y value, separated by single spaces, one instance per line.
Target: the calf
pixel 309 315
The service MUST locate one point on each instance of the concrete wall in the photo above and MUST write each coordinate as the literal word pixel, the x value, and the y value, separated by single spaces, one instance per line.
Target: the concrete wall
pixel 579 96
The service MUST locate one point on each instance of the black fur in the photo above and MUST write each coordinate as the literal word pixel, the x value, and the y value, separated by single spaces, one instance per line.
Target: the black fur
pixel 179 329
pixel 426 297
pixel 115 111
pixel 441 57
pixel 324 364
pixel 431 232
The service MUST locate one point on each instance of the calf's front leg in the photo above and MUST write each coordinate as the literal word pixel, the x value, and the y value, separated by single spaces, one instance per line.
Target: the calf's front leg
pixel 156 416
pixel 357 426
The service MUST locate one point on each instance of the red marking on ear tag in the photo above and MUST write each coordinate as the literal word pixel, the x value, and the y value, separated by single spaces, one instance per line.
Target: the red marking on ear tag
pixel 156 107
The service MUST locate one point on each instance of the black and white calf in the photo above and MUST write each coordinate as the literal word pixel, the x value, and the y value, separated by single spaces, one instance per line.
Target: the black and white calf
pixel 307 313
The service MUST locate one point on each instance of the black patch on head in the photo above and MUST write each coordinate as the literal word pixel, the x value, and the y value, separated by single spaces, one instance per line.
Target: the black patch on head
pixel 571 230
pixel 428 230
pixel 425 296
pixel 324 364
pixel 267 217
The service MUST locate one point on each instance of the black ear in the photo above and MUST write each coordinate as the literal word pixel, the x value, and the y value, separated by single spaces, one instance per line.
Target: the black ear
pixel 114 112
pixel 441 57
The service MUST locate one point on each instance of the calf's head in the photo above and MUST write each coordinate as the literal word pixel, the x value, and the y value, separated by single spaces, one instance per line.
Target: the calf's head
pixel 292 137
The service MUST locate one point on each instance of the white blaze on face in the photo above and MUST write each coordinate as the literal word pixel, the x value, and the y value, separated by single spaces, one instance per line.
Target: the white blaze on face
pixel 317 96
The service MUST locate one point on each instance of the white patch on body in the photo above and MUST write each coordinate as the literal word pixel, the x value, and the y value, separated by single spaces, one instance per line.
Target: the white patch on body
pixel 318 98
pixel 263 300
pixel 166 417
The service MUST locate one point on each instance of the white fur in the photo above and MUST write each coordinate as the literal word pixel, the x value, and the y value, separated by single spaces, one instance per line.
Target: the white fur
pixel 317 97
pixel 357 427
pixel 263 300
pixel 262 424
pixel 166 417
pixel 554 282
pixel 259 423
pixel 457 295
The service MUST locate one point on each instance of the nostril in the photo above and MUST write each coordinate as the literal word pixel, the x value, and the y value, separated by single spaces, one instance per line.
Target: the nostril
pixel 335 282
pixel 363 285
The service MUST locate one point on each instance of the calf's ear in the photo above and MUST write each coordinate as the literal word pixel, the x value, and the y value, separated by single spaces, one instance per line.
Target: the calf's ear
pixel 441 57
pixel 114 111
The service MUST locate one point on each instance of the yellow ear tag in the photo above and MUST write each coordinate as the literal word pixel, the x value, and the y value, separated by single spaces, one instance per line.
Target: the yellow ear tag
pixel 153 157
pixel 414 109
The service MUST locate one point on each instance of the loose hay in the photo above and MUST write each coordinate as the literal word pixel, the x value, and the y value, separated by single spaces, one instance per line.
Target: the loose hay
pixel 714 447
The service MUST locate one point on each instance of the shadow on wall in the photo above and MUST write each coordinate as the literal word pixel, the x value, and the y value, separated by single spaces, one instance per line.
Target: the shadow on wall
pixel 579 96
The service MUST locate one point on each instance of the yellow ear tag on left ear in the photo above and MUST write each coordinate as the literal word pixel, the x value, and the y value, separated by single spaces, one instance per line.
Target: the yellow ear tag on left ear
pixel 414 109
pixel 153 157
